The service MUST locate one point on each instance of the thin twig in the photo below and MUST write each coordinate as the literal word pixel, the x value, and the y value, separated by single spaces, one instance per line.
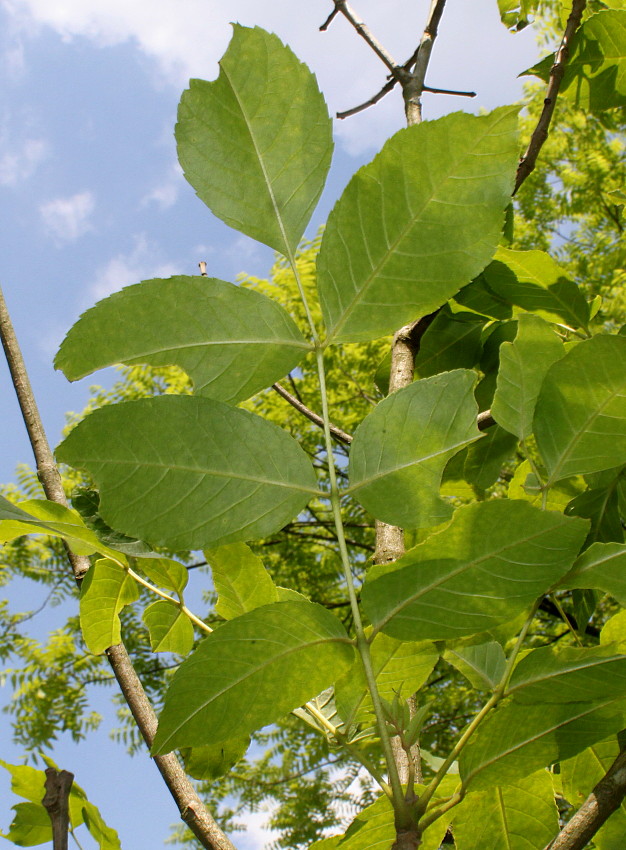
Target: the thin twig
pixel 413 84
pixel 337 433
pixel 540 134
pixel 365 33
pixel 192 809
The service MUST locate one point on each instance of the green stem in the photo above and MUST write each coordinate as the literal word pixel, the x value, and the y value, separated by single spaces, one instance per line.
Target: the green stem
pixel 356 753
pixel 179 603
pixel 402 810
pixel 495 698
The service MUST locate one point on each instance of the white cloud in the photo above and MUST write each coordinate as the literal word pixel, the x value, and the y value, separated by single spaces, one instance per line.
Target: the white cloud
pixel 67 219
pixel 141 263
pixel 165 194
pixel 20 164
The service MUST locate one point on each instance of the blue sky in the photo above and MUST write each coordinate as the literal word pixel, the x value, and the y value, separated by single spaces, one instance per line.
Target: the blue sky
pixel 93 200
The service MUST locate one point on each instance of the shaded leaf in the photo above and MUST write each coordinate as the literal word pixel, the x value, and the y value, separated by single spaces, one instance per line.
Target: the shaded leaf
pixel 252 671
pixel 400 450
pixel 231 341
pixel 533 281
pixel 104 591
pixel 602 567
pixel 559 703
pixel 416 224
pixel 186 472
pixel 519 816
pixel 257 147
pixel 482 664
pixel 491 562
pixel 478 296
pixel 580 418
pixel 210 762
pixel 484 460
pixel 453 340
pixel 523 366
pixel 240 579
pixel 87 502
pixel 170 629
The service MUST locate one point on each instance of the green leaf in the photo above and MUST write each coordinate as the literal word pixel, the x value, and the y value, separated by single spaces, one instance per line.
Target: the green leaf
pixel 519 816
pixel 30 825
pixel 87 502
pixel 170 629
pixel 105 836
pixel 256 147
pixel 104 591
pixel 187 472
pixel 400 667
pixel 523 366
pixel 482 664
pixel 601 567
pixel 453 340
pixel 559 703
pixel 468 577
pixel 240 579
pixel 601 506
pixel 212 761
pixel 516 14
pixel 524 485
pixel 252 671
pixel 580 418
pixel 39 516
pixel 400 450
pixel 595 74
pixel 484 460
pixel 533 281
pixel 165 572
pixel 26 781
pixel 416 224
pixel 231 341
pixel 478 296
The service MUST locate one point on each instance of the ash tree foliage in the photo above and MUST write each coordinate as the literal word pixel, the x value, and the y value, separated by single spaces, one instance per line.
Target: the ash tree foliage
pixel 501 459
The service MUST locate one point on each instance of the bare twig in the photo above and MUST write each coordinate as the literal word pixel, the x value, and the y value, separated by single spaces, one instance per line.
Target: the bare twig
pixel 540 134
pixel 605 799
pixel 365 33
pixel 56 802
pixel 337 433
pixel 192 810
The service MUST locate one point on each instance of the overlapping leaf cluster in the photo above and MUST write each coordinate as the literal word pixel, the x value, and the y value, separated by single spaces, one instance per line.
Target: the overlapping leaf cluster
pixel 418 230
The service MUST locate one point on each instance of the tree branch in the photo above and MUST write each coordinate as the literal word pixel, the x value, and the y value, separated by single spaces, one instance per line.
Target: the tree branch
pixel 337 433
pixel 413 83
pixel 605 798
pixel 192 810
pixel 540 134
pixel 56 803
pixel 364 31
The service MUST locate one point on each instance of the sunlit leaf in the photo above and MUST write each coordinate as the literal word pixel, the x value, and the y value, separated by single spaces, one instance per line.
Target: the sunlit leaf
pixel 400 450
pixel 492 561
pixel 210 762
pixel 231 341
pixel 416 224
pixel 256 147
pixel 30 825
pixel 252 671
pixel 170 629
pixel 165 572
pixel 104 591
pixel 602 567
pixel 241 580
pixel 523 366
pixel 533 281
pixel 187 472
pixel 580 417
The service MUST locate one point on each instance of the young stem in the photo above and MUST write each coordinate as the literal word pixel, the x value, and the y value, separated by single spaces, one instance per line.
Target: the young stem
pixel 402 810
